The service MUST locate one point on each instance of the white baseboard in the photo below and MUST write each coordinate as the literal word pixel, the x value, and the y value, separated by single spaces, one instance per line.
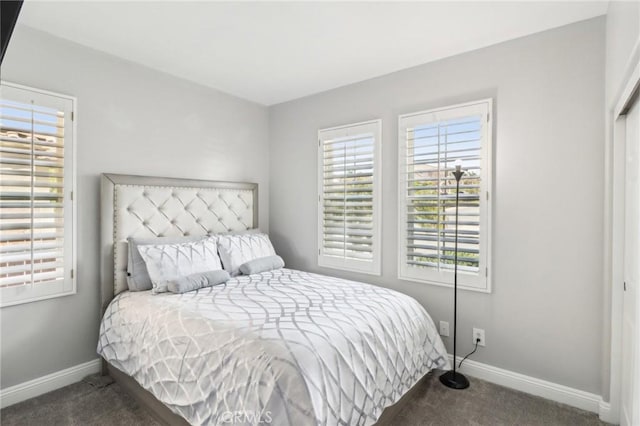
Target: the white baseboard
pixel 32 388
pixel 553 391
pixel 542 388
pixel 605 413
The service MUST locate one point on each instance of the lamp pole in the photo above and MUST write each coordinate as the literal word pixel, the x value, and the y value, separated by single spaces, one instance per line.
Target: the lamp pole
pixel 452 378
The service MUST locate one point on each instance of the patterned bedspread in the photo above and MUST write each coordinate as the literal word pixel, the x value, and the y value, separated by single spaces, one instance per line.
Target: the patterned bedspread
pixel 283 347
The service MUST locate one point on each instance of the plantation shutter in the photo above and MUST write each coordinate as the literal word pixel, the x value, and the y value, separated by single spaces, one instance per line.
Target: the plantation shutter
pixel 348 194
pixel 432 144
pixel 35 196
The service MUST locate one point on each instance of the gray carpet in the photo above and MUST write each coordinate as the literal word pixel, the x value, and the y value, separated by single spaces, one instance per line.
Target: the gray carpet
pixel 99 401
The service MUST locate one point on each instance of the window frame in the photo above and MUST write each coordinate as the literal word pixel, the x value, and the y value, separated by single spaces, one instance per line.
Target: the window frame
pixel 68 286
pixel 352 265
pixel 481 282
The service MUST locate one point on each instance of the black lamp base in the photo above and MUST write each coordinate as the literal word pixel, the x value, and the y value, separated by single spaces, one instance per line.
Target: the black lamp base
pixel 454 380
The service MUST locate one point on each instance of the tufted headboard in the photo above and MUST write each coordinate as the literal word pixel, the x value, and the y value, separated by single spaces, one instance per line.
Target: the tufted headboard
pixel 140 206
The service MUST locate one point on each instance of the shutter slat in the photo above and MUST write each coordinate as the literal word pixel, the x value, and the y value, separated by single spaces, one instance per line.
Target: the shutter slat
pixel 331 177
pixel 451 222
pixel 424 145
pixel 434 248
pixel 36 142
pixel 26 279
pixel 349 184
pixel 26 256
pixel 441 160
pixel 351 231
pixel 353 141
pixel 51 215
pixel 37 245
pixel 337 157
pixel 443 266
pixel 39 122
pixel 36 236
pixel 4 226
pixel 38 173
pixel 447 197
pixel 23 151
pixel 37 163
pixel 37 184
pixel 349 255
pixel 6 104
pixel 20 267
pixel 8 127
pixel 349 246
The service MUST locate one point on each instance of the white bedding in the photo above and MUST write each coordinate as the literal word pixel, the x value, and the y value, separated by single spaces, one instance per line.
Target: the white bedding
pixel 282 347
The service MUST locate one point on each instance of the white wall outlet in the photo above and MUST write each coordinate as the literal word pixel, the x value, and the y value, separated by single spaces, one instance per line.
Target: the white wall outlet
pixel 478 333
pixel 444 328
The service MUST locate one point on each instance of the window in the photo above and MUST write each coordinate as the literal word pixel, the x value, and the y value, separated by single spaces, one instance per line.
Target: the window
pixel 430 142
pixel 36 183
pixel 349 193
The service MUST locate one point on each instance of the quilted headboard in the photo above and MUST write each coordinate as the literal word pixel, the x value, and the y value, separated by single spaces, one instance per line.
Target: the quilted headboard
pixel 140 206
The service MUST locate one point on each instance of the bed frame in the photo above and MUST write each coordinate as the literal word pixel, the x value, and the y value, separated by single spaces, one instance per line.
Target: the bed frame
pixel 142 206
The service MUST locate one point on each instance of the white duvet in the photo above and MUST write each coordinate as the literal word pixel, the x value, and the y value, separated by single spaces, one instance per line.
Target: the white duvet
pixel 283 347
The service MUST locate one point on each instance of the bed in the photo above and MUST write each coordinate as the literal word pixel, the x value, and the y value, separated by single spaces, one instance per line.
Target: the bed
pixel 281 347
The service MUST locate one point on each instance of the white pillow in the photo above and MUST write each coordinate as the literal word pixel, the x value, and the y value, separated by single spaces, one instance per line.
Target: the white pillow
pixel 137 276
pixel 238 249
pixel 167 262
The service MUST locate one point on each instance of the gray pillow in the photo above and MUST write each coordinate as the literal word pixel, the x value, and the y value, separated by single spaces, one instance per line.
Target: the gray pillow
pixel 262 264
pixel 197 281
pixel 137 276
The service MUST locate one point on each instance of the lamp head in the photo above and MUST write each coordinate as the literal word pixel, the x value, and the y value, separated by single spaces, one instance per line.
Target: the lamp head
pixel 458 173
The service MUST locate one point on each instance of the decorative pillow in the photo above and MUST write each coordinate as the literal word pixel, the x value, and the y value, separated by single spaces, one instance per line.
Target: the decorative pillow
pixel 137 275
pixel 198 281
pixel 238 249
pixel 170 261
pixel 262 264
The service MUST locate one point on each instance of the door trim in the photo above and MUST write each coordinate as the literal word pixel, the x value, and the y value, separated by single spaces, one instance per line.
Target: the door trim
pixel 614 225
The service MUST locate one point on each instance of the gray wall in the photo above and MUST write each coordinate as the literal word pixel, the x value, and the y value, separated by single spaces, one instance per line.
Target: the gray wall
pixel 130 120
pixel 544 317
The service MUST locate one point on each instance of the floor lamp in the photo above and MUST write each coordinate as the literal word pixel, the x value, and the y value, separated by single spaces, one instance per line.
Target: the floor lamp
pixel 452 378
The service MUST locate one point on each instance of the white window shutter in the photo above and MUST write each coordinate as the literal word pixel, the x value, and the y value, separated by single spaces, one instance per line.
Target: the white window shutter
pixel 348 212
pixel 430 143
pixel 36 180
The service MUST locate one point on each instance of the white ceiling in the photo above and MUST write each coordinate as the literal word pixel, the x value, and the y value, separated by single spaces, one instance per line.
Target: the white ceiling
pixel 273 52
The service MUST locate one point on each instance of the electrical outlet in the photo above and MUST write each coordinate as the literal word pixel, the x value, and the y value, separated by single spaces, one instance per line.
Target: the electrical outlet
pixel 444 328
pixel 478 333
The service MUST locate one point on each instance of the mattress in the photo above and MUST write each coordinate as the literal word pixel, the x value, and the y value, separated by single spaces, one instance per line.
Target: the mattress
pixel 284 347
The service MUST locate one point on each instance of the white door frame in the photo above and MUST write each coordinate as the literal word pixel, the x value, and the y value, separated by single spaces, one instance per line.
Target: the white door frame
pixel 614 225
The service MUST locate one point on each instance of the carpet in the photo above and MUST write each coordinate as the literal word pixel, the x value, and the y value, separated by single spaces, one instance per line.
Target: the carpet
pixel 97 400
